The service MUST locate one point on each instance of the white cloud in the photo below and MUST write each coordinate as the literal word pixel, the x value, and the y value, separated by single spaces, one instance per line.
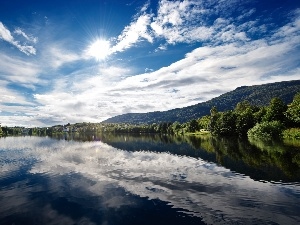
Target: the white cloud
pixel 175 21
pixel 5 34
pixel 57 55
pixel 183 22
pixel 291 29
pixel 133 33
pixel 9 96
pixel 19 31
pixel 19 119
pixel 83 96
pixel 19 71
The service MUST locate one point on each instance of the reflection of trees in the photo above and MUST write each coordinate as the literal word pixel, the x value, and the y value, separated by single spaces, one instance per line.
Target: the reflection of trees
pixel 274 159
pixel 282 156
pixel 269 158
pixel 260 160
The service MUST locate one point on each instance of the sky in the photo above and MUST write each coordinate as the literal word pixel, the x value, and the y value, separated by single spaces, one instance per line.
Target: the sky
pixel 72 61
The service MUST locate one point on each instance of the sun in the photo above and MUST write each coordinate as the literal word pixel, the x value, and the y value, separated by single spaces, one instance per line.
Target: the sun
pixel 99 49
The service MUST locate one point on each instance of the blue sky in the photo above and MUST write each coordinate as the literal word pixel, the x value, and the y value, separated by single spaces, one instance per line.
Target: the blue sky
pixel 85 61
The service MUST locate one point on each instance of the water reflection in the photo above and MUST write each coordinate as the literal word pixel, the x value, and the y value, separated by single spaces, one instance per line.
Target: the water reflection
pixel 259 160
pixel 71 182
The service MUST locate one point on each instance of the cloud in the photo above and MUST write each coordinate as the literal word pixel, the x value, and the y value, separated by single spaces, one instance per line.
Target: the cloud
pixel 19 71
pixel 28 38
pixel 133 33
pixel 175 21
pixel 5 35
pixel 56 56
pixel 185 21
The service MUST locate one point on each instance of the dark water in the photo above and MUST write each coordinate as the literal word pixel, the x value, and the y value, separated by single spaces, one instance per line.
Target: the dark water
pixel 124 179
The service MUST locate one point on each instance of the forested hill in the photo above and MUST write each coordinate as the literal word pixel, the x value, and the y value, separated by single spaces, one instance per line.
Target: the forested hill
pixel 257 95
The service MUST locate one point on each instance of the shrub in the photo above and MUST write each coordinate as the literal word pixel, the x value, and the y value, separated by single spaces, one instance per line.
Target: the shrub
pixel 266 130
pixel 292 133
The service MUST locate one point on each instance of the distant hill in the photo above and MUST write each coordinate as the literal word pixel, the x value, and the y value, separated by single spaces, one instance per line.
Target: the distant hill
pixel 257 95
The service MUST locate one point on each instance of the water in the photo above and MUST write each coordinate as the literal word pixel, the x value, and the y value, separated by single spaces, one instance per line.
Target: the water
pixel 126 179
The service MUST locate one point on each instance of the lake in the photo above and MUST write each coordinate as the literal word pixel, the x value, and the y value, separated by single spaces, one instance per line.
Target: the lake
pixel 147 179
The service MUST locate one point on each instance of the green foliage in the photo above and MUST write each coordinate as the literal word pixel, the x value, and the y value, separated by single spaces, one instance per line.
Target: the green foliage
pixel 214 116
pixel 293 111
pixel 225 124
pixel 266 130
pixel 176 127
pixel 292 133
pixel 259 115
pixel 269 120
pixel 192 126
pixel 12 130
pixel 242 106
pixel 245 121
pixel 204 122
pixel 275 111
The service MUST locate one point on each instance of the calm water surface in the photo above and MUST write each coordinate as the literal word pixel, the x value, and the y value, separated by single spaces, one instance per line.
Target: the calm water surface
pixel 126 179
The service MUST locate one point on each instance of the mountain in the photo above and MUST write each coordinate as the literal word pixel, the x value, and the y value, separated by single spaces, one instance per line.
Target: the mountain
pixel 259 95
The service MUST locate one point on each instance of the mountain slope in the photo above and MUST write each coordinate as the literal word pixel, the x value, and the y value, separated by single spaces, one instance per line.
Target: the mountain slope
pixel 257 95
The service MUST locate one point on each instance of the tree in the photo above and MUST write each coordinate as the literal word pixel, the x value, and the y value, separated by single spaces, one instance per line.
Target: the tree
pixel 242 106
pixel 193 126
pixel 176 127
pixel 275 111
pixel 203 122
pixel 293 111
pixel 225 124
pixel 259 115
pixel 244 122
pixel 266 130
pixel 214 115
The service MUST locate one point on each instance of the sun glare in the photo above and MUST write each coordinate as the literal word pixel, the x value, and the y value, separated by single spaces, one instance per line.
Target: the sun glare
pixel 99 49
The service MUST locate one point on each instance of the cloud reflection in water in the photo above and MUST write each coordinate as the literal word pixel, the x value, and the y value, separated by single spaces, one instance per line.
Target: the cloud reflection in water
pixel 199 188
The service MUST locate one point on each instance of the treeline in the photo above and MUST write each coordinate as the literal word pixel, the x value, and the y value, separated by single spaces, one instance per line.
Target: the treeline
pixel 10 131
pixel 57 129
pixel 268 122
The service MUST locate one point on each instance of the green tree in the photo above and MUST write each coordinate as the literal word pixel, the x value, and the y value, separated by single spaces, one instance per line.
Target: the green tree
pixel 176 127
pixel 203 122
pixel 275 111
pixel 266 130
pixel 245 121
pixel 293 111
pixel 259 115
pixel 193 126
pixel 226 124
pixel 214 115
pixel 242 106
